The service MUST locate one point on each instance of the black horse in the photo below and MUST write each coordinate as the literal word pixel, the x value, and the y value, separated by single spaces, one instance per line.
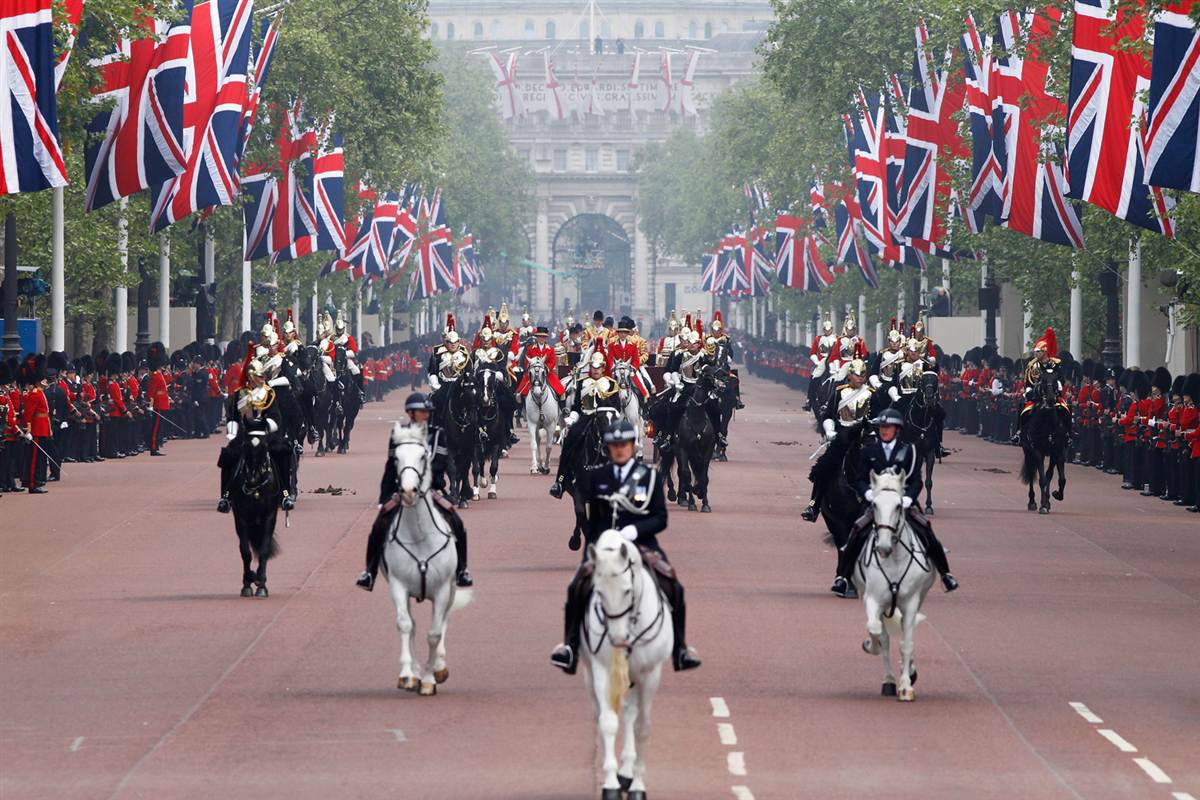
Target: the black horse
pixel 725 388
pixel 1044 443
pixel 590 452
pixel 920 430
pixel 490 386
pixel 349 387
pixel 456 406
pixel 695 440
pixel 254 497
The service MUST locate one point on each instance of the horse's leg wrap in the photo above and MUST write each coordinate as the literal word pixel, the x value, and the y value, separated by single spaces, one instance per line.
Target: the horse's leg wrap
pixel 933 548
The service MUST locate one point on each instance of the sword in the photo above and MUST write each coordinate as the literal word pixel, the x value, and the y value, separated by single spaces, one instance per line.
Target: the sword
pixel 33 440
pixel 172 424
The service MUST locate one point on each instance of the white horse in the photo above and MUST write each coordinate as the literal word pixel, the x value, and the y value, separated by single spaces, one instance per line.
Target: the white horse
pixel 627 637
pixel 541 415
pixel 420 561
pixel 892 576
pixel 631 398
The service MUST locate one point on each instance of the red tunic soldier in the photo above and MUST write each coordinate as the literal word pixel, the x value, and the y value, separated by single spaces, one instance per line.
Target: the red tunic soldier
pixel 539 348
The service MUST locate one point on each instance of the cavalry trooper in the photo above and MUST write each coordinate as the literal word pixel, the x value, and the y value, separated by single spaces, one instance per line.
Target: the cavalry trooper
pixel 929 351
pixel 885 365
pixel 850 344
pixel 824 352
pixel 420 412
pixel 884 453
pixel 843 419
pixel 718 335
pixel 597 390
pixel 625 495
pixel 680 377
pixel 491 356
pixel 669 343
pixel 1045 360
pixel 254 403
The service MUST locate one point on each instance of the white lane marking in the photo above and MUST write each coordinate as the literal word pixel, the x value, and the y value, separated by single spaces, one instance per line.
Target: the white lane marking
pixel 744 793
pixel 1182 796
pixel 736 762
pixel 719 709
pixel 1086 713
pixel 75 745
pixel 398 733
pixel 1118 741
pixel 1153 770
pixel 726 732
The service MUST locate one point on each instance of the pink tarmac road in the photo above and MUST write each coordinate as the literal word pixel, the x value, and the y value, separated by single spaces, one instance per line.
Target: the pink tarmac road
pixel 131 668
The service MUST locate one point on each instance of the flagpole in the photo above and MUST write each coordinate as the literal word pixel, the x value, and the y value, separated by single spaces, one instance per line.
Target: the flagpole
pixel 121 294
pixel 58 303
pixel 358 310
pixel 1133 306
pixel 210 277
pixel 246 273
pixel 315 308
pixel 164 289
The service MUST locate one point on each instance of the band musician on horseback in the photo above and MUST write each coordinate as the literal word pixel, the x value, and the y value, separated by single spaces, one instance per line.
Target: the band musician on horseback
pixel 596 391
pixel 419 410
pixel 624 495
pixel 885 452
pixel 842 421
pixel 1045 362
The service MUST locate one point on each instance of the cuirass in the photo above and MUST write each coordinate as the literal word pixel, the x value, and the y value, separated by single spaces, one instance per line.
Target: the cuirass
pixel 910 379
pixel 856 410
pixel 825 345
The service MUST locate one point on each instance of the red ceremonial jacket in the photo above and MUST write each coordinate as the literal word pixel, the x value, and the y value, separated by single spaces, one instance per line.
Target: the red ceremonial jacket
pixel 116 402
pixel 156 387
pixel 36 416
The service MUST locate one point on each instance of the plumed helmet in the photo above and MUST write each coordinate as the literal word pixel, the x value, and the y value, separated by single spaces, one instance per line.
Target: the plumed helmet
pixel 525 316
pixel 1191 387
pixel 452 337
pixel 673 323
pixel 919 328
pixel 156 355
pixel 289 327
pixel 718 321
pixel 486 334
pixel 340 325
pixel 849 326
pixel 1162 380
pixel 912 346
pixel 449 324
pixel 827 324
pixel 620 431
pixel 889 416
pixel 895 336
pixel 503 312
pixel 597 361
pixel 1048 342
pixel 856 367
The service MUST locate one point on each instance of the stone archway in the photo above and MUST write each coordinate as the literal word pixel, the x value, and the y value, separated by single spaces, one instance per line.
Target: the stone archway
pixel 596 252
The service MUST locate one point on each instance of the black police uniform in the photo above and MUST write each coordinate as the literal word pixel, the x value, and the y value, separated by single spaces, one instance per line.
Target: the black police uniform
pixel 643 486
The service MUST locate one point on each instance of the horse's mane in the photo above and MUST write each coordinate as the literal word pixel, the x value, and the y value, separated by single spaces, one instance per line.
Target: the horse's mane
pixel 610 542
pixel 403 433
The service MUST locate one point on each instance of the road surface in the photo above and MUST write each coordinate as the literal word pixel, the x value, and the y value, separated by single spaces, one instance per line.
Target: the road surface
pixel 1066 666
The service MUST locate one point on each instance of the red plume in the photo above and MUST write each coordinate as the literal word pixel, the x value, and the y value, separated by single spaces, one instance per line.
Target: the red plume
pixel 449 322
pixel 687 323
pixel 487 321
pixel 290 318
pixel 699 326
pixel 717 317
pixel 893 323
pixel 246 363
pixel 1050 341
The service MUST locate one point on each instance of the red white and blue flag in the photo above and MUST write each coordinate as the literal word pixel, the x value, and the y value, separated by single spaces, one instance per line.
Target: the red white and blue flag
pixel 1106 123
pixel 212 114
pixel 258 192
pixel 319 203
pixel 31 156
pixel 262 66
pixel 1173 132
pixel 139 142
pixel 370 252
pixel 985 199
pixel 467 265
pixel 708 272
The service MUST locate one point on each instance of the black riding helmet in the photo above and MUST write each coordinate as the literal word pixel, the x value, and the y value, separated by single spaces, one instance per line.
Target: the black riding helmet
pixel 620 431
pixel 889 417
pixel 417 401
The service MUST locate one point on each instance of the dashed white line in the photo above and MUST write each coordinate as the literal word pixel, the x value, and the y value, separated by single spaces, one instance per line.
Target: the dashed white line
pixel 1086 713
pixel 1153 770
pixel 1118 741
pixel 719 709
pixel 1182 796
pixel 744 793
pixel 75 745
pixel 736 762
pixel 727 733
pixel 398 733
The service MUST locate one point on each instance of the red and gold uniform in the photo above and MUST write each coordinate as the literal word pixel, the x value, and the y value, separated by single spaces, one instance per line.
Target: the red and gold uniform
pixel 540 349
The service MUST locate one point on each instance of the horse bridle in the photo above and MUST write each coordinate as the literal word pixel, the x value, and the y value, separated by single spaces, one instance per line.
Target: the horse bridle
pixel 893 586
pixel 423 495
pixel 603 617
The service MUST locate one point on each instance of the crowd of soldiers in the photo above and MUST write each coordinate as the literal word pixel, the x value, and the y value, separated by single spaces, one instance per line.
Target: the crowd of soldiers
pixel 57 410
pixel 1139 424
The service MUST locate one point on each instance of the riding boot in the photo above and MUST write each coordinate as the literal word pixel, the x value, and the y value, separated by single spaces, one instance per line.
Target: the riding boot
pixel 933 548
pixel 713 409
pixel 227 463
pixel 566 655
pixel 463 575
pixel 849 553
pixel 375 544
pixel 681 659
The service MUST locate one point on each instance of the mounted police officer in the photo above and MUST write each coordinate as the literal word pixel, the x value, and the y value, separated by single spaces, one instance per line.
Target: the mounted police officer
pixel 625 495
pixel 419 410
pixel 885 452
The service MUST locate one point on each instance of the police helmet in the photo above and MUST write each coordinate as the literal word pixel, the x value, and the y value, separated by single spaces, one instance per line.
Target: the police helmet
pixel 889 417
pixel 417 401
pixel 620 431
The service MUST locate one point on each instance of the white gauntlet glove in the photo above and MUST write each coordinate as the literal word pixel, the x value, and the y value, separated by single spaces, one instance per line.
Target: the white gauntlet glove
pixel 231 429
pixel 906 502
pixel 830 428
pixel 629 532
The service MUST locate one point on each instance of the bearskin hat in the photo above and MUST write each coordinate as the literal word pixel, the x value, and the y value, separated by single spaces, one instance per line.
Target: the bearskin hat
pixel 1089 368
pixel 994 362
pixel 1177 386
pixel 179 360
pixel 128 362
pixel 1162 380
pixel 232 354
pixel 156 356
pixel 1191 387
pixel 1141 385
pixel 86 365
pixel 57 360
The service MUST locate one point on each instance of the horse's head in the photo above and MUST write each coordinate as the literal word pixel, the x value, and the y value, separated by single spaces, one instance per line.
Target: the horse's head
pixel 1047 389
pixel 339 358
pixel 536 367
pixel 616 562
pixel 622 371
pixel 887 499
pixel 929 386
pixel 412 461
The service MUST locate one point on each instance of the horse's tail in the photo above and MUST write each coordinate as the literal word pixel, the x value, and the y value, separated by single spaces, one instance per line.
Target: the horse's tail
pixel 894 622
pixel 1028 466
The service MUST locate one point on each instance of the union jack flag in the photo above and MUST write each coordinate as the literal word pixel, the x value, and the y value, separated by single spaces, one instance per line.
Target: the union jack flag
pixel 370 253
pixel 139 143
pixel 435 254
pixel 816 199
pixel 1173 134
pixel 1034 202
pixel 212 114
pixel 869 150
pixel 31 157
pixel 467 266
pixel 762 266
pixel 1106 124
pixel 731 275
pixel 848 222
pixel 319 204
pixel 787 264
pixel 262 66
pixel 404 235
pixel 708 274
pixel 258 192
pixel 74 13
pixel 985 200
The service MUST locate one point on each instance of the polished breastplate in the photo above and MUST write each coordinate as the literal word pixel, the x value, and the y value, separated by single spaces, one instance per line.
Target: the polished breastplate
pixel 825 345
pixel 854 406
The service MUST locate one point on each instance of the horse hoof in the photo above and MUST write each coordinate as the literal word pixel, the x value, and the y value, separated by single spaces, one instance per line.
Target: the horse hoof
pixel 682 501
pixel 638 795
pixel 442 675
pixel 625 782
pixel 247 591
pixel 610 794
pixel 1058 495
pixel 906 695
pixel 408 684
pixel 870 648
pixel 889 690
pixel 912 678
pixel 574 543
pixel 534 470
pixel 475 495
pixel 705 509
pixel 320 454
pixel 1043 510
pixel 463 504
pixel 722 457
pixel 427 689
pixel 671 496
pixel 1032 506
pixel 691 506
pixel 491 495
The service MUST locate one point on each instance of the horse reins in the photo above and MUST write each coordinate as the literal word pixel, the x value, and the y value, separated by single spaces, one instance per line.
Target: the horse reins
pixel 893 586
pixel 422 565
pixel 603 617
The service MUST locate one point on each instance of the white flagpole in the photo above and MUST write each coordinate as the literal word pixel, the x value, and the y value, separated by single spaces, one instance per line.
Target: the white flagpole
pixel 121 295
pixel 210 277
pixel 164 289
pixel 58 289
pixel 246 272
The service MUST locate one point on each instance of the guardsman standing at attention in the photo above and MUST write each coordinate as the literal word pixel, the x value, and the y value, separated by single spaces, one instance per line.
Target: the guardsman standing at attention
pixel 36 422
pixel 160 399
